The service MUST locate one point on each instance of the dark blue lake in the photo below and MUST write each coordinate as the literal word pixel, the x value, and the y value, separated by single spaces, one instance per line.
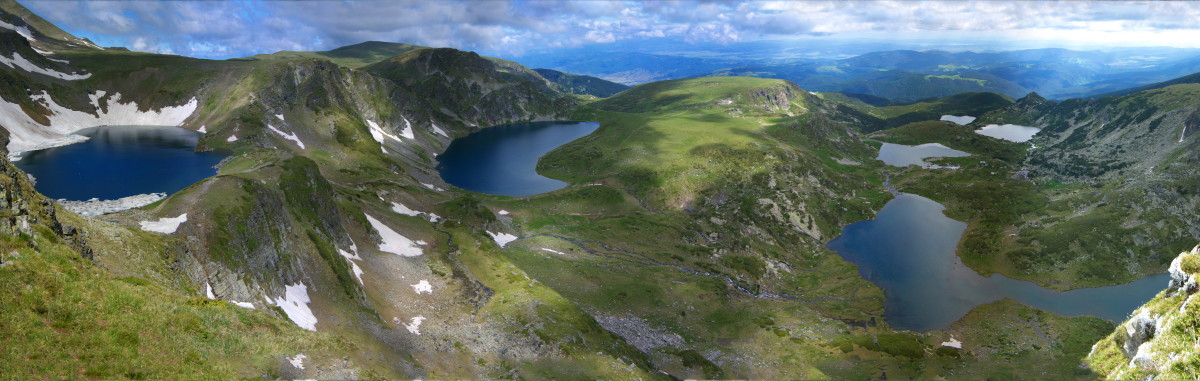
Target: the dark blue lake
pixel 909 251
pixel 502 160
pixel 121 161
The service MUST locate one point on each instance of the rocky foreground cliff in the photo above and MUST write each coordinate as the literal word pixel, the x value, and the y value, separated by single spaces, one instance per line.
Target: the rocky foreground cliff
pixel 1161 340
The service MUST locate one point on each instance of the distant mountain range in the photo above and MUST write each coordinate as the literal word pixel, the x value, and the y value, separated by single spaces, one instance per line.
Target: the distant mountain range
pixel 909 75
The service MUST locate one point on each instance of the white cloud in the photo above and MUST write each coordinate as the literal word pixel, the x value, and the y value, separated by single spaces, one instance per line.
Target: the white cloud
pixel 226 29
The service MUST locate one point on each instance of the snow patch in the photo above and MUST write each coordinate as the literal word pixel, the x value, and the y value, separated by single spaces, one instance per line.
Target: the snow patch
pixel 21 30
pixel 400 208
pixel 96 207
pixel 431 186
pixel 298 361
pixel 502 212
pixel 378 133
pixel 358 272
pixel 502 239
pixel 280 116
pixel 423 287
pixel 393 242
pixel 408 131
pixel 288 136
pixel 18 61
pixel 414 325
pixel 28 134
pixel 554 251
pixel 438 131
pixel 231 139
pixel 208 291
pixel 246 305
pixel 203 130
pixel 294 303
pixel 953 343
pixel 165 225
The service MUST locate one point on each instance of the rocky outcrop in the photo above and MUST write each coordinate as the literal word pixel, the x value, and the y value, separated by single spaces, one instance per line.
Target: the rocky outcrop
pixel 471 89
pixel 777 98
pixel 22 208
pixel 1158 341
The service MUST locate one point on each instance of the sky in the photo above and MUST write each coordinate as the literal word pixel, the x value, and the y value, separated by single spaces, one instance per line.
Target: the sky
pixel 515 28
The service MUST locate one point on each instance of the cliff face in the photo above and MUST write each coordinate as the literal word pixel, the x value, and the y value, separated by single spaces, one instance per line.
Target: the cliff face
pixel 1159 339
pixel 22 208
pixel 472 89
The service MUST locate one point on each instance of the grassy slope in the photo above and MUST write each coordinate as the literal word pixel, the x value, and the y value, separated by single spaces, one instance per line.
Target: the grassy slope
pixel 624 241
pixel 1119 184
pixel 663 161
pixel 1170 353
pixel 125 313
pixel 64 317
pixel 972 104
pixel 351 56
pixel 582 84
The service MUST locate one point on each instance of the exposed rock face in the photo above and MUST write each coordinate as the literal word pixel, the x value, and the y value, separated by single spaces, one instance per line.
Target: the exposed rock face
pixel 1158 341
pixel 472 89
pixel 1182 282
pixel 21 206
pixel 1138 330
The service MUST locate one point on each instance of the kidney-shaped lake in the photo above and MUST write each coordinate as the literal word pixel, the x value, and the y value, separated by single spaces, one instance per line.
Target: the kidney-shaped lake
pixel 502 160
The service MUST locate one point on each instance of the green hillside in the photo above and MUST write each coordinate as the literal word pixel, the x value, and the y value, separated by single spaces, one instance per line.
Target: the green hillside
pixel 351 56
pixel 582 84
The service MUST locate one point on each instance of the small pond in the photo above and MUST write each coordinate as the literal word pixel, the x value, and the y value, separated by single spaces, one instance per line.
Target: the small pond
pixel 960 119
pixel 1010 132
pixel 898 155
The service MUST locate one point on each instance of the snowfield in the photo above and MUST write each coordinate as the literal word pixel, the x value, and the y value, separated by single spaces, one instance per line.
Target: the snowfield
pixel 408 131
pixel 402 209
pixel 295 304
pixel 502 239
pixel 358 272
pixel 18 61
pixel 414 325
pixel 378 133
pixel 96 207
pixel 27 134
pixel 287 136
pixel 165 225
pixel 433 187
pixel 393 242
pixel 423 287
pixel 298 361
pixel 438 131
pixel 21 30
